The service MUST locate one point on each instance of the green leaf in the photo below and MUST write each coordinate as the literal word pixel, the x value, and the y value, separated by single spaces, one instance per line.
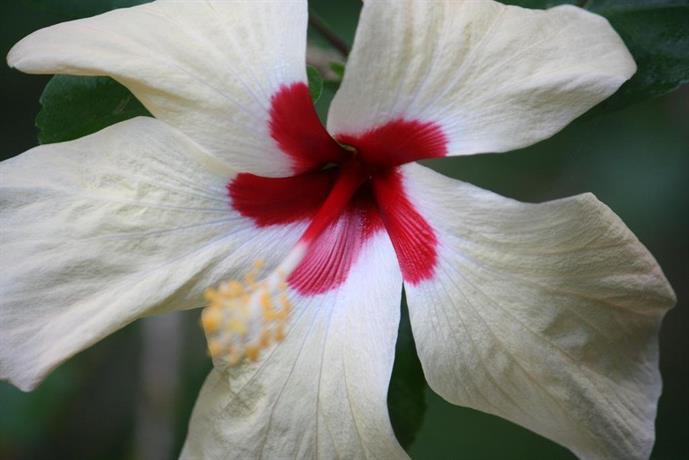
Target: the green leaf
pixel 72 107
pixel 407 391
pixel 656 33
pixel 338 68
pixel 315 82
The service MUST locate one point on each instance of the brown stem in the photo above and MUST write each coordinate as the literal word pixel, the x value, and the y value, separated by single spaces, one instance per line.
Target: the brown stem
pixel 159 374
pixel 322 28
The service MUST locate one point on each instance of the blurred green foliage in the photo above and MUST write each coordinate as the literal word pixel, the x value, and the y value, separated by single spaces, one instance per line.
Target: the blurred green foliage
pixel 634 160
pixel 407 391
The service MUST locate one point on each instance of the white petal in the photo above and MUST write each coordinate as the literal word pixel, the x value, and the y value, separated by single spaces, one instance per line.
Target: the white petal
pixel 492 77
pixel 322 392
pixel 131 221
pixel 207 68
pixel 544 314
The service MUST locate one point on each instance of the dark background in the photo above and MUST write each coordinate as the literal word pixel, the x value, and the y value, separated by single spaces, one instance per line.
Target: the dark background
pixel 635 160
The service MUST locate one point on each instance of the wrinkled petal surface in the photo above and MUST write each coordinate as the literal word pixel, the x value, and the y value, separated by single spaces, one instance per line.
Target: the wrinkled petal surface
pixel 322 392
pixel 131 221
pixel 490 77
pixel 210 69
pixel 544 314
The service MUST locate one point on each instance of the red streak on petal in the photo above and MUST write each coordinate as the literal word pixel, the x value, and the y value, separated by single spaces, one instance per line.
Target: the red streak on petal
pixel 271 201
pixel 332 253
pixel 298 132
pixel 412 237
pixel 278 201
pixel 398 142
pixel 352 175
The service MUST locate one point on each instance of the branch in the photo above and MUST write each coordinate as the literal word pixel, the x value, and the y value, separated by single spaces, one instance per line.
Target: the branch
pixel 322 28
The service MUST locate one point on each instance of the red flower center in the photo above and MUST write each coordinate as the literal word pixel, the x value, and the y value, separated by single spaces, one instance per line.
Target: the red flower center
pixel 347 188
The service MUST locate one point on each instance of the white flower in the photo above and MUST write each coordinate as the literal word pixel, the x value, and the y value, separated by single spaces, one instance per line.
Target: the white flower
pixel 545 314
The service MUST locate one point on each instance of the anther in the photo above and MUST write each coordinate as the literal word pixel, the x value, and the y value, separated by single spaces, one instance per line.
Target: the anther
pixel 242 319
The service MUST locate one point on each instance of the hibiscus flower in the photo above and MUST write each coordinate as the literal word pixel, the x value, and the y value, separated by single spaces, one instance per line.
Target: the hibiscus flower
pixel 544 314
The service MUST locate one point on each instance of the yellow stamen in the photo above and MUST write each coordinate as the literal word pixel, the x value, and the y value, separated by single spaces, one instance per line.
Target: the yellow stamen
pixel 279 333
pixel 214 347
pixel 242 319
pixel 234 356
pixel 237 326
pixel 252 352
pixel 232 288
pixel 211 319
pixel 211 295
pixel 265 338
pixel 266 301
